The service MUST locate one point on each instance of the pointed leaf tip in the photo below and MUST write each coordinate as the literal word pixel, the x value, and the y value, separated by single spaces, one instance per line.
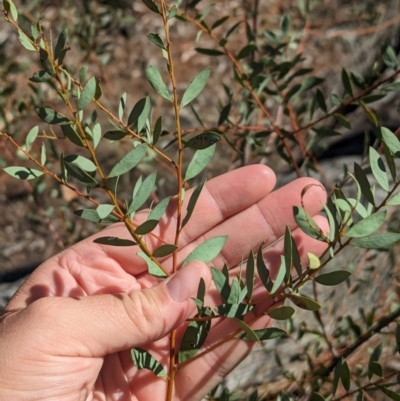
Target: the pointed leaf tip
pixel 154 77
pixel 195 87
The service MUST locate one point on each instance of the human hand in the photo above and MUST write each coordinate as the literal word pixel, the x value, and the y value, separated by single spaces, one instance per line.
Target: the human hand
pixel 67 333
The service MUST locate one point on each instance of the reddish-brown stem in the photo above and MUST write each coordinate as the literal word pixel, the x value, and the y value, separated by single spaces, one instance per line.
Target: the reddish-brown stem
pixel 178 166
pixel 247 84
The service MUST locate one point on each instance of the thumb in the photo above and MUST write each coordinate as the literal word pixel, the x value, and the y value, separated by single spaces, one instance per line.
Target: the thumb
pixel 98 325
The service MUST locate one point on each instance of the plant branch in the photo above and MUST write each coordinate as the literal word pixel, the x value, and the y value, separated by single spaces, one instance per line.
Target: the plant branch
pixel 364 337
pixel 248 86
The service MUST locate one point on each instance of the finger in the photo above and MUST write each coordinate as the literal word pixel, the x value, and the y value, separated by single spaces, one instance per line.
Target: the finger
pixel 78 271
pixel 228 355
pixel 263 222
pixel 103 269
pixel 221 198
pixel 95 326
pixel 272 259
pixel 226 196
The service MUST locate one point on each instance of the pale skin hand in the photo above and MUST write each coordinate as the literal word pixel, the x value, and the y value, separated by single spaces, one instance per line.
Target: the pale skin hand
pixel 67 333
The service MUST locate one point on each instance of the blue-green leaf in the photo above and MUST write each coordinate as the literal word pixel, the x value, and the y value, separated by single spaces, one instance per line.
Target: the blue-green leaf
pixel 333 278
pixel 234 296
pixel 156 39
pixel 209 52
pixel 307 224
pixel 164 250
pixel 104 210
pixel 115 135
pixel 144 191
pixel 80 175
pixel 391 140
pixel 342 120
pixel 40 76
pixel 262 270
pixel 376 241
pixel 304 302
pixel 60 50
pixel 129 161
pixel 195 87
pixel 390 393
pixel 369 113
pixel 320 99
pixel 376 353
pixel 199 162
pixel 69 132
pixel 23 173
pixel 88 93
pixel 83 72
pixel 219 22
pixel 156 81
pixel 310 82
pixel 151 6
pixel 378 169
pixel 173 11
pixel 26 42
pixel 193 338
pixel 336 375
pixel 142 359
pixel 207 251
pixel 10 8
pixel 250 268
pixel 250 333
pixel 82 162
pixel 221 282
pixel 96 131
pixel 144 115
pixel 43 154
pixel 282 313
pixel 390 58
pixel 192 203
pixel 152 266
pixel 280 277
pixel 52 117
pixel 31 137
pixel 285 24
pixel 346 82
pixel 121 106
pixel 362 180
pixel 138 109
pixel 159 209
pixel 147 227
pixel 233 310
pixel 367 226
pixel 394 201
pixel 92 215
pixel 157 130
pixel 345 375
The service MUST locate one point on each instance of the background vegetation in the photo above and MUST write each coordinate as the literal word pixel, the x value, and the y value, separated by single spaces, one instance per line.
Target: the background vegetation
pixel 292 86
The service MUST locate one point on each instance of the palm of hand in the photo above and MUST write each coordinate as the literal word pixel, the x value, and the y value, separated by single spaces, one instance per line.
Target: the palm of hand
pixel 80 277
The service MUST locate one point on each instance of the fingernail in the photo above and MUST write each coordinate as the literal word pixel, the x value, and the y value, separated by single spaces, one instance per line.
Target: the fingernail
pixel 185 282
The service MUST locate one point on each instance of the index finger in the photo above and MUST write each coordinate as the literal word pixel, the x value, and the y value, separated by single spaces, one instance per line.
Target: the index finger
pixel 221 198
